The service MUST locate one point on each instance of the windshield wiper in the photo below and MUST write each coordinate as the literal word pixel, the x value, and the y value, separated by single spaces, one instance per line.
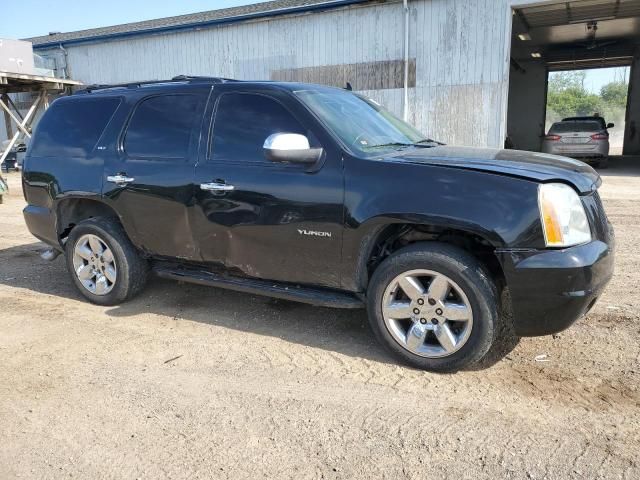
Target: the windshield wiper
pixel 425 143
pixel 390 144
pixel 428 140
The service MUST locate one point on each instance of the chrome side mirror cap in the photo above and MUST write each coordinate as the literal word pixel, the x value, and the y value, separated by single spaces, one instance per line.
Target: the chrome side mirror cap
pixel 290 148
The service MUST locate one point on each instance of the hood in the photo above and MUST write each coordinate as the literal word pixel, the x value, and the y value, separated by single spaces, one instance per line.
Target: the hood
pixel 540 167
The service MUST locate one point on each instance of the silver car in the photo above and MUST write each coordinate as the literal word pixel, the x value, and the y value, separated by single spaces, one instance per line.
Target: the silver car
pixel 586 140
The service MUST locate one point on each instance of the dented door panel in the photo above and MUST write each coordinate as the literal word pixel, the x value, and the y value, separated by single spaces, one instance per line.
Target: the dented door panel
pixel 280 222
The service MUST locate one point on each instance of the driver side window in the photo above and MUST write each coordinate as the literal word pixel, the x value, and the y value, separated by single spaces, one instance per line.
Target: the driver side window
pixel 242 123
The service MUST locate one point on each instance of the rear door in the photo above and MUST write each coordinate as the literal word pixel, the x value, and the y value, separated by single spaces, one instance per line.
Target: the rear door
pixel 148 178
pixel 275 221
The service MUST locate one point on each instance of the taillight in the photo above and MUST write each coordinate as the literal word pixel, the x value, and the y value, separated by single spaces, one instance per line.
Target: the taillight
pixel 599 136
pixel 553 138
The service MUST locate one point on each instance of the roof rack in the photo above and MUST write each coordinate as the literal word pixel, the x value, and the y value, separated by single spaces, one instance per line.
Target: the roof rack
pixel 195 78
pixel 176 79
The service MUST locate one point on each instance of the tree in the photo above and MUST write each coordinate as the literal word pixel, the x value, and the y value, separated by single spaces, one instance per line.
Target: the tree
pixel 567 97
pixel 560 81
pixel 615 94
pixel 574 101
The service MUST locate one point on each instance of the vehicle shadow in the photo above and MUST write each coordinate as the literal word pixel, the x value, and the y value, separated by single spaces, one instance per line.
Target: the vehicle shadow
pixel 342 331
pixel 622 166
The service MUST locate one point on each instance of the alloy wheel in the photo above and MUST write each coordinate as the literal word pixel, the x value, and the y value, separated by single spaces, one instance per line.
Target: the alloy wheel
pixel 427 313
pixel 94 264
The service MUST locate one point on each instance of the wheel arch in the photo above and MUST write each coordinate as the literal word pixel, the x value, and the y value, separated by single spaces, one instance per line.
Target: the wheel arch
pixel 72 210
pixel 383 239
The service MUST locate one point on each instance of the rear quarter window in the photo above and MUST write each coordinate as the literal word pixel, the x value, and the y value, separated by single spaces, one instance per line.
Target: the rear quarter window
pixel 72 127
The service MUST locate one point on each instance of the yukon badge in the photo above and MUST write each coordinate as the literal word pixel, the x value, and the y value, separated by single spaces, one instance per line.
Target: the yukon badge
pixel 314 233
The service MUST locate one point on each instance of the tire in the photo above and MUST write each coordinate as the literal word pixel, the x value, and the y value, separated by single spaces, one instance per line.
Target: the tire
pixel 604 163
pixel 128 270
pixel 468 284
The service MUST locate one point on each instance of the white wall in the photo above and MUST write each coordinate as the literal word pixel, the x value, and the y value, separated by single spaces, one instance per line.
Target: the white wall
pixel 460 47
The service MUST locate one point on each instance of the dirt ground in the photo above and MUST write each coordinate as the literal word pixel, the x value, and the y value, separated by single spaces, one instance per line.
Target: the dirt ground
pixel 194 382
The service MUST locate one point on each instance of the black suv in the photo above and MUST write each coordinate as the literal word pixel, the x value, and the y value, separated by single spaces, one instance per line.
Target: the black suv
pixel 319 195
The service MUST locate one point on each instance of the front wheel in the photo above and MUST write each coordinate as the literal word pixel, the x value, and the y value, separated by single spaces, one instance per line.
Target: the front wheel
pixel 104 265
pixel 434 306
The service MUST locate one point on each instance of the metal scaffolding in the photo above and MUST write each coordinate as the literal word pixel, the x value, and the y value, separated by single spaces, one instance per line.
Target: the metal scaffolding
pixel 41 87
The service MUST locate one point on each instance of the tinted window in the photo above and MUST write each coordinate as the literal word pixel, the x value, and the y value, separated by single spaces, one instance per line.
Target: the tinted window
pixel 161 127
pixel 71 127
pixel 242 124
pixel 588 119
pixel 575 126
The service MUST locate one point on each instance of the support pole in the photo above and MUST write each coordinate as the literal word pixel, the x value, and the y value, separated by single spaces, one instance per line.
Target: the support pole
pixel 7 111
pixel 405 111
pixel 25 124
pixel 13 105
pixel 7 121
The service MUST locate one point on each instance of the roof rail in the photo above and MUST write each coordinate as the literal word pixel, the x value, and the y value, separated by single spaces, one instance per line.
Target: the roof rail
pixel 177 79
pixel 195 78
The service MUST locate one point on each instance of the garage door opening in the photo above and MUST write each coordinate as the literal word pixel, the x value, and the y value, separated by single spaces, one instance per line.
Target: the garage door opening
pixel 565 49
pixel 593 93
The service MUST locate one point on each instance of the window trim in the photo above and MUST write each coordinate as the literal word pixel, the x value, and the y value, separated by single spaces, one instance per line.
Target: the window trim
pixel 262 163
pixel 160 158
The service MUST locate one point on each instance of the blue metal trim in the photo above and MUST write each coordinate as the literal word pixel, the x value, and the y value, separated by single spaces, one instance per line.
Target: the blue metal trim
pixel 195 25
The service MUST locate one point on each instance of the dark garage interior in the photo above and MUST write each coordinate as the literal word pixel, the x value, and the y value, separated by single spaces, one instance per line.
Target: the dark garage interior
pixel 563 36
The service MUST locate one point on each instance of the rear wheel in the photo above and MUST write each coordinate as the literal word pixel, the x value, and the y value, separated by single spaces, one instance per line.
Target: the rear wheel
pixel 104 265
pixel 434 306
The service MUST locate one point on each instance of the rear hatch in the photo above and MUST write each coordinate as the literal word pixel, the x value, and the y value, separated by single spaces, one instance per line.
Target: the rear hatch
pixel 576 136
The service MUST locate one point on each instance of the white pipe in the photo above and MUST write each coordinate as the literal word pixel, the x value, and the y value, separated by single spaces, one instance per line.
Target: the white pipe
pixel 405 113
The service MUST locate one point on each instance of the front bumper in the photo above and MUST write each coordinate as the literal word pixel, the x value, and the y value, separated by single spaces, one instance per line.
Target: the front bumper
pixel 551 289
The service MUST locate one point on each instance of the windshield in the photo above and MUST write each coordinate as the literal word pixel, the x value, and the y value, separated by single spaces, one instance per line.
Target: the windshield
pixel 362 124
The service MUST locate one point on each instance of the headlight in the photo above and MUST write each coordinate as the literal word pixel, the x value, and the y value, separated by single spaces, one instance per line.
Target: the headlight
pixel 564 220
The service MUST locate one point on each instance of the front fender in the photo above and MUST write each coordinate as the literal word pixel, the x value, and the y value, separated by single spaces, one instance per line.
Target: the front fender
pixel 500 209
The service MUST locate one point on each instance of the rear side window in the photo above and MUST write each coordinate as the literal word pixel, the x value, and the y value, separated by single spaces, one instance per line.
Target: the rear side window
pixel 243 122
pixel 161 127
pixel 72 127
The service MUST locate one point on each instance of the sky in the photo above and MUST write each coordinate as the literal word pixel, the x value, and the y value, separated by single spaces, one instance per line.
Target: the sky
pixel 31 18
pixel 598 77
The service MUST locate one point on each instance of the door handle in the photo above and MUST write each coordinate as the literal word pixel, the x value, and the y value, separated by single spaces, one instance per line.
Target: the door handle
pixel 217 187
pixel 119 179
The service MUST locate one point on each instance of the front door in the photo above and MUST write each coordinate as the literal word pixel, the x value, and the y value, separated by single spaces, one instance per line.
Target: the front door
pixel 149 178
pixel 267 220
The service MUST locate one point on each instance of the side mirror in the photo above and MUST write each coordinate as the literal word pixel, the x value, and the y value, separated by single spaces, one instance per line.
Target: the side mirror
pixel 290 148
pixel 610 125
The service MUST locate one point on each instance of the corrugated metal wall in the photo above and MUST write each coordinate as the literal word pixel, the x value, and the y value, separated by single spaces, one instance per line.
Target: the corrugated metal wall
pixel 460 49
